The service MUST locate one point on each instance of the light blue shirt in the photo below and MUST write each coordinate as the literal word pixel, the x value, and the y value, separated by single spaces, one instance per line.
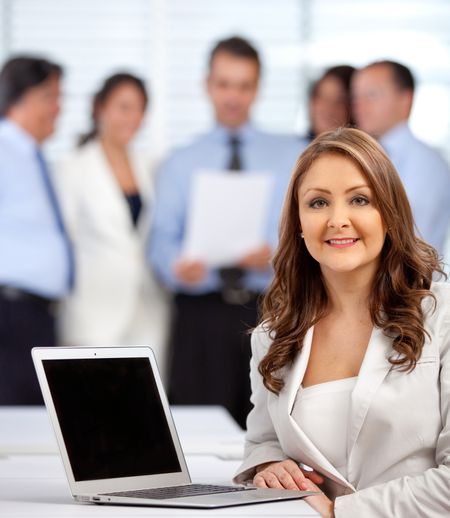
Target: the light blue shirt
pixel 259 152
pixel 426 177
pixel 33 256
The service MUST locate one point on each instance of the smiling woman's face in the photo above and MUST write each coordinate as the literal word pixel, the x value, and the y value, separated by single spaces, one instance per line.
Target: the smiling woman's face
pixel 342 227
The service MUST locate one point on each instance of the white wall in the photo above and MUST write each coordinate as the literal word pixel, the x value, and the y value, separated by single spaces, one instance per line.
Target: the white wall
pixel 167 42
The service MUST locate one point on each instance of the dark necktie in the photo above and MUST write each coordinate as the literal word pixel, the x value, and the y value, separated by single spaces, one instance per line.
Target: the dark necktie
pixel 58 216
pixel 233 291
pixel 235 162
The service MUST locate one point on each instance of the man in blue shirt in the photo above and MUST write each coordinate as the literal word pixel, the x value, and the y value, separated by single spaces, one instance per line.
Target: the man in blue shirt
pixel 36 261
pixel 383 96
pixel 215 308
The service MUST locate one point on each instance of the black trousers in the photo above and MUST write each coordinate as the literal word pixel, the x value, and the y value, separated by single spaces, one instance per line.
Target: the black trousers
pixel 24 323
pixel 210 353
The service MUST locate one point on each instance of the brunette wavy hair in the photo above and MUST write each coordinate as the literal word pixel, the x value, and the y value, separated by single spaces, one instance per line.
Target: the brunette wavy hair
pixel 297 298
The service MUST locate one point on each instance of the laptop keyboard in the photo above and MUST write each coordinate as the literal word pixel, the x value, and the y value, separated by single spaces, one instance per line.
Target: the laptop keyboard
pixel 162 493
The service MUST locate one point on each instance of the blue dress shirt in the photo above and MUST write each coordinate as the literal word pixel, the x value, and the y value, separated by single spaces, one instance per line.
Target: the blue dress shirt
pixel 426 177
pixel 33 253
pixel 259 152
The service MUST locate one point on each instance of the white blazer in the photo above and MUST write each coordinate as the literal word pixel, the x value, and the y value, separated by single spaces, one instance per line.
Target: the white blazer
pixel 399 426
pixel 116 299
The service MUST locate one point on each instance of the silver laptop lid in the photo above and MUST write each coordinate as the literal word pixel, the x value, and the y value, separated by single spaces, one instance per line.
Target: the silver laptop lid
pixel 111 418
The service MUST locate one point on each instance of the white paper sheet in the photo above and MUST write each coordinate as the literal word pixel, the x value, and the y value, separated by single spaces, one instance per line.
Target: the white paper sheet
pixel 227 215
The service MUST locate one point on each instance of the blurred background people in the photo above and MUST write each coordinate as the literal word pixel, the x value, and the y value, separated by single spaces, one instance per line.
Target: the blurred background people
pixel 214 308
pixel 329 101
pixel 106 191
pixel 383 96
pixel 36 260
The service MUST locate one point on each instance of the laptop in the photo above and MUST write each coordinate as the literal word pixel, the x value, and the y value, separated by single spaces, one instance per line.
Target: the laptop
pixel 116 434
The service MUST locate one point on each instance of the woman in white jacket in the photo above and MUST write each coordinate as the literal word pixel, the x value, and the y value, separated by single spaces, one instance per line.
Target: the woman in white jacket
pixel 106 193
pixel 351 364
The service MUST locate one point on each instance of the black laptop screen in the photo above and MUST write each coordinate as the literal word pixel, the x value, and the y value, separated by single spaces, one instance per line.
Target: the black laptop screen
pixel 111 417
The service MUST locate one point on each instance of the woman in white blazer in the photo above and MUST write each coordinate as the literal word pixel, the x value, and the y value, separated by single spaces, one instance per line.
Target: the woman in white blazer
pixel 106 192
pixel 351 364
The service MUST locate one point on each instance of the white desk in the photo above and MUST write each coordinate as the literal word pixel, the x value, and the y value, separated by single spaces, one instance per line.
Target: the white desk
pixel 201 430
pixel 33 483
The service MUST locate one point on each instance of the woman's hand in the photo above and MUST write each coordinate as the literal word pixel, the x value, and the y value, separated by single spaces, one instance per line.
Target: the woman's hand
pixel 288 475
pixel 284 475
pixel 320 503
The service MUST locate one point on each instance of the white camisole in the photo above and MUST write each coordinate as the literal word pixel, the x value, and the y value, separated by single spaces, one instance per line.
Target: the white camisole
pixel 322 412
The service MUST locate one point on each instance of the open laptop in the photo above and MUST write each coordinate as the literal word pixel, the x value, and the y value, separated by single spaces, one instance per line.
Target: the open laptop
pixel 116 434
